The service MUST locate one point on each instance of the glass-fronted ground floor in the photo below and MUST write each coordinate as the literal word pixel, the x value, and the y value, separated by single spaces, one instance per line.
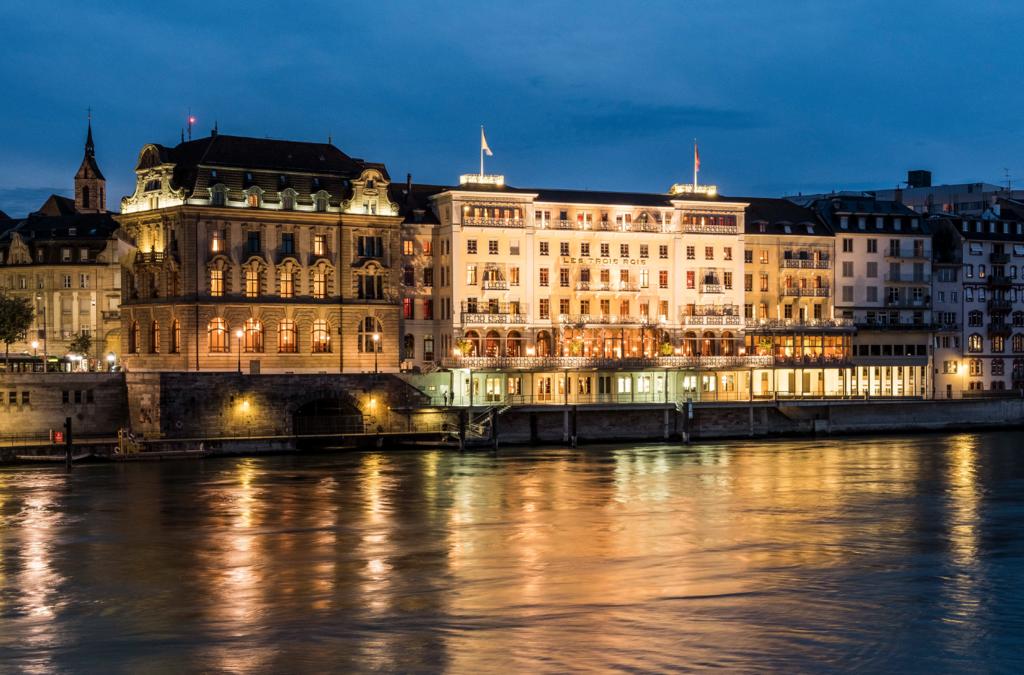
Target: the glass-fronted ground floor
pixel 477 386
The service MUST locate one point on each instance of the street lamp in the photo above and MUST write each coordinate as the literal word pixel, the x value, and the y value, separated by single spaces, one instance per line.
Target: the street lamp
pixel 239 334
pixel 111 359
pixel 376 347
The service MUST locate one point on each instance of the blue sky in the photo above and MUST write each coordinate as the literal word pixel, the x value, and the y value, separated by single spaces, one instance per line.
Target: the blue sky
pixel 784 97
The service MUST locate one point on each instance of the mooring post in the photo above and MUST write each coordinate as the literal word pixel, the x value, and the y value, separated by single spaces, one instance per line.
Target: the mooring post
pixel 494 428
pixel 462 429
pixel 67 444
pixel 575 428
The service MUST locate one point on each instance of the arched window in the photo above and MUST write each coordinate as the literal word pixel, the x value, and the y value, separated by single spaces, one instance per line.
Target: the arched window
pixel 288 199
pixel 287 337
pixel 472 343
pixel 492 344
pixel 175 337
pixel 219 195
pixel 975 367
pixel 320 202
pixel 154 337
pixel 1018 318
pixel 253 336
pixel 321 337
pixel 368 328
pixel 998 367
pixel 217 333
pixel 514 343
pixel 85 196
pixel 409 346
pixel 1018 343
pixel 253 198
pixel 133 338
pixel 974 343
pixel 998 344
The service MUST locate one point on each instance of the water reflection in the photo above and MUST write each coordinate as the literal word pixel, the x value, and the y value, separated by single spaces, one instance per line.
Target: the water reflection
pixel 835 554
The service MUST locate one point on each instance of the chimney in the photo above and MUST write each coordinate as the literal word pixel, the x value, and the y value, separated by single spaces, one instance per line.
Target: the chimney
pixel 919 178
pixel 408 183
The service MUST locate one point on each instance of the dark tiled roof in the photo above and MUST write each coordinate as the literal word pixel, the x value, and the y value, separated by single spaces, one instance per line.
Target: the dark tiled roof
pixel 4 216
pixel 79 230
pixel 240 162
pixel 415 205
pixel 767 215
pixel 977 229
pixel 832 209
pixel 56 205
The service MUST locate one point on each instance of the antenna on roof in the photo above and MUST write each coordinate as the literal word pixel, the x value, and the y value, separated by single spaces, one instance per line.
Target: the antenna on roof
pixel 183 134
pixel 215 130
pixel 1009 181
pixel 330 138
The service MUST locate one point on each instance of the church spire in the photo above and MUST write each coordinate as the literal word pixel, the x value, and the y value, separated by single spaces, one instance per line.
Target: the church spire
pixel 90 186
pixel 90 149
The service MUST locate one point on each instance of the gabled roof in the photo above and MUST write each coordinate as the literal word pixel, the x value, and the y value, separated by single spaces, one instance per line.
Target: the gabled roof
pixel 767 215
pixel 89 231
pixel 56 205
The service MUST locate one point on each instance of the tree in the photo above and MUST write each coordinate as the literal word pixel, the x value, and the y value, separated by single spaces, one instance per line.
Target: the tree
pixel 81 344
pixel 16 316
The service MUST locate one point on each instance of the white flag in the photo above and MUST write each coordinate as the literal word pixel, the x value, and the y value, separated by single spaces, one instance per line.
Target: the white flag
pixel 483 144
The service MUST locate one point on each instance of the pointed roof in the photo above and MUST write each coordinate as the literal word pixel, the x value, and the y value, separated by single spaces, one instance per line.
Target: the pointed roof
pixel 56 205
pixel 89 167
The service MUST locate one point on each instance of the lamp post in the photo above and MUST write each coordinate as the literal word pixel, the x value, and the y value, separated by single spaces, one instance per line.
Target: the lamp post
pixel 239 334
pixel 111 359
pixel 42 298
pixel 376 347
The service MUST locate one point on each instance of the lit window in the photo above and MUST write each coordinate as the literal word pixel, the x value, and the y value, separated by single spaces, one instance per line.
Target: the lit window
pixel 217 334
pixel 319 285
pixel 321 337
pixel 368 328
pixel 154 337
pixel 320 244
pixel 216 283
pixel 287 337
pixel 253 330
pixel 216 242
pixel 287 283
pixel 252 284
pixel 175 337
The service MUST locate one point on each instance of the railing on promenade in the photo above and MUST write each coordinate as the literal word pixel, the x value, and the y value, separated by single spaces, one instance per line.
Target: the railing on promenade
pixel 590 362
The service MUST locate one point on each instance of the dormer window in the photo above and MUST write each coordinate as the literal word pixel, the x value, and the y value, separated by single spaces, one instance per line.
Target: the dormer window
pixel 219 195
pixel 369 184
pixel 248 176
pixel 152 185
pixel 253 198
pixel 320 202
pixel 213 173
pixel 72 231
pixel 288 200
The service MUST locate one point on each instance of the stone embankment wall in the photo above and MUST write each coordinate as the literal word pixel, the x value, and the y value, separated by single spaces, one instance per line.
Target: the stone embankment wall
pixel 204 405
pixel 33 404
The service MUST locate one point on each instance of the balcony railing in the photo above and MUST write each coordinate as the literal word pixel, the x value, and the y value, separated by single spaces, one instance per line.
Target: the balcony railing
pixel 589 362
pixel 492 317
pixel 999 258
pixel 110 314
pixel 495 284
pixel 711 320
pixel 712 288
pixel 493 222
pixel 999 329
pixel 797 292
pixel 999 280
pixel 797 324
pixel 908 303
pixel 908 255
pixel 908 278
pixel 997 305
pixel 896 325
pixel 605 319
pixel 806 263
pixel 150 257
pixel 694 228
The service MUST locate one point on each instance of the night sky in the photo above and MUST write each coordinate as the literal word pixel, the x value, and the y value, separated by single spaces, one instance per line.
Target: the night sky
pixel 784 97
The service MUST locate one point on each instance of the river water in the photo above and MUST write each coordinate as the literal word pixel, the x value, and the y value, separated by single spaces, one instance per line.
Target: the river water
pixel 903 553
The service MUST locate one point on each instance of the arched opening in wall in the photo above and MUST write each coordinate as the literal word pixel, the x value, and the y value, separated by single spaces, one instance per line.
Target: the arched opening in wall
pixel 544 344
pixel 728 344
pixel 709 345
pixel 690 345
pixel 473 341
pixel 514 343
pixel 330 415
pixel 492 344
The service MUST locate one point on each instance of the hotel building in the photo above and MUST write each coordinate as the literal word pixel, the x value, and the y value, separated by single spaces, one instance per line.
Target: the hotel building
pixel 263 255
pixel 566 295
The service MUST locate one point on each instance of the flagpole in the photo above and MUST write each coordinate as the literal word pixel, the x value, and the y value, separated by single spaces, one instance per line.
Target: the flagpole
pixel 481 152
pixel 695 165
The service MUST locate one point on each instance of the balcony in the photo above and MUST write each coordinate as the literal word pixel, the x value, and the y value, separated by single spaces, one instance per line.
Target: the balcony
pixel 712 288
pixel 999 305
pixel 694 228
pixel 797 292
pixel 999 280
pixel 592 362
pixel 999 258
pixel 796 325
pixel 908 303
pixel 999 329
pixel 494 284
pixel 493 222
pixel 895 325
pixel 805 263
pixel 607 286
pixel 605 319
pixel 711 315
pixel 492 317
pixel 908 278
pixel 813 360
pixel 901 254
pixel 150 258
pixel 111 315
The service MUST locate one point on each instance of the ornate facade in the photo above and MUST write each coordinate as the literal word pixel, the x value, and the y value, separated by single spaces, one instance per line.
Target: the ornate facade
pixel 261 255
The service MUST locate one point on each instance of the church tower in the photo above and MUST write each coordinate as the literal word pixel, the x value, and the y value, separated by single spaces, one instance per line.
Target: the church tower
pixel 90 185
